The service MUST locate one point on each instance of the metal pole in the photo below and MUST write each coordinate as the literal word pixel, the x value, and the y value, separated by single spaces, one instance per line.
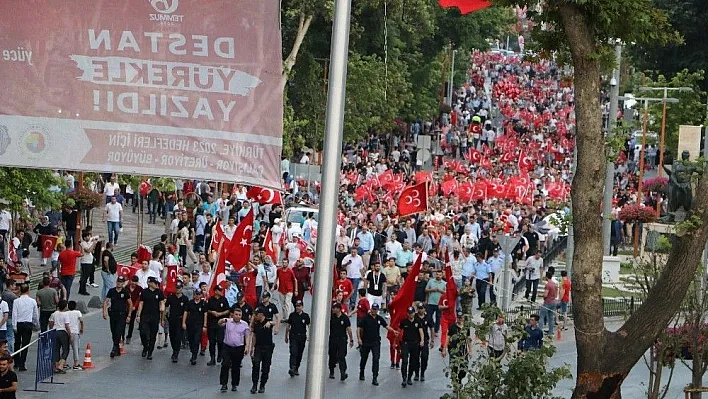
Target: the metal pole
pixel 643 151
pixel 452 76
pixel 334 123
pixel 610 172
pixel 570 249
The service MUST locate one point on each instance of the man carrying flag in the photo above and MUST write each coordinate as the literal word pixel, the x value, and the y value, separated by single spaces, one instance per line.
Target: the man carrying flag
pixel 447 305
pixel 398 306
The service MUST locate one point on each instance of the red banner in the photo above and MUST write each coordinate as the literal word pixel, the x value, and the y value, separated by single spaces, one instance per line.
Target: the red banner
pixel 48 245
pixel 179 88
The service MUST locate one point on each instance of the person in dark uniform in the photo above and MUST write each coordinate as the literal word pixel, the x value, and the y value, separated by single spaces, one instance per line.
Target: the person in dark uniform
pixel 270 311
pixel 246 309
pixel 217 308
pixel 194 321
pixel 339 328
pixel 261 348
pixel 237 340
pixel 150 312
pixel 177 304
pixel 296 335
pixel 119 311
pixel 459 344
pixel 425 349
pixel 413 338
pixel 369 339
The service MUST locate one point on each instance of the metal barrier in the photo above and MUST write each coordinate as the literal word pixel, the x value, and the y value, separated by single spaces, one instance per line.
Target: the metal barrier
pixel 611 307
pixel 45 359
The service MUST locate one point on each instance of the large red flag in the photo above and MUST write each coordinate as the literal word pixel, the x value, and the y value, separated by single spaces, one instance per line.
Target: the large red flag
pixel 238 251
pixel 48 245
pixel 219 275
pixel 413 199
pixel 449 301
pixel 269 246
pixel 217 235
pixel 398 306
pixel 171 279
pixel 127 271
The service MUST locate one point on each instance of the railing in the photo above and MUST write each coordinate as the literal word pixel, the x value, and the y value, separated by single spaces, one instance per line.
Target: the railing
pixel 558 247
pixel 611 307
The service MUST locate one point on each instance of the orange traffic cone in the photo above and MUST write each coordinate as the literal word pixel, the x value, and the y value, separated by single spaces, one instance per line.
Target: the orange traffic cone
pixel 558 334
pixel 122 349
pixel 88 364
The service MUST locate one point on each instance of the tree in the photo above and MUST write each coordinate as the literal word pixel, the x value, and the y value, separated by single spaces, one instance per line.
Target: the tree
pixel 18 185
pixel 586 30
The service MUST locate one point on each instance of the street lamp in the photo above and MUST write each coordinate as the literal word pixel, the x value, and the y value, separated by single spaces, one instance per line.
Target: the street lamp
pixel 452 76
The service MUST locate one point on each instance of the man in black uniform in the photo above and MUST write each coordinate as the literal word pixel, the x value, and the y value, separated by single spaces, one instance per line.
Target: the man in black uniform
pixel 177 304
pixel 296 334
pixel 369 339
pixel 262 349
pixel 246 309
pixel 119 311
pixel 339 328
pixel 194 321
pixel 150 311
pixel 270 311
pixel 413 338
pixel 217 308
pixel 425 349
pixel 459 343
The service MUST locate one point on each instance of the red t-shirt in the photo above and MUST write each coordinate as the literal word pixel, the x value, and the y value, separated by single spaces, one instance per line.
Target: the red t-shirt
pixel 67 259
pixel 345 286
pixel 362 308
pixel 286 280
pixel 566 290
pixel 135 295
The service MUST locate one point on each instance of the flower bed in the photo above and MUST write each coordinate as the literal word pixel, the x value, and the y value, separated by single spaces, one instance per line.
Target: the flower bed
pixel 636 213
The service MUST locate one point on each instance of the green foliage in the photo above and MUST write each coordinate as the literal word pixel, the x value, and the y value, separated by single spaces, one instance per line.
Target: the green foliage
pixel 514 375
pixel 132 180
pixel 17 184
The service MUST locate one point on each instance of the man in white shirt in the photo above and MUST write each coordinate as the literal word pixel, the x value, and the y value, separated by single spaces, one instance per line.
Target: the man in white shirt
pixel 110 188
pixel 156 266
pixel 144 273
pixel 5 312
pixel 355 269
pixel 88 244
pixel 205 275
pixel 25 316
pixel 113 215
pixel 305 158
pixel 534 270
pixel 5 221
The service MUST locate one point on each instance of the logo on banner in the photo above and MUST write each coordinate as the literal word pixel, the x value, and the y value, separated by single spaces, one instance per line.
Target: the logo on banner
pixel 4 139
pixel 165 11
pixel 34 141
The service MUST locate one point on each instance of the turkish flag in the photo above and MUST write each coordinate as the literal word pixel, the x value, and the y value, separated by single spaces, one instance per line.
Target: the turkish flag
pixel 506 157
pixel 48 245
pixel 362 193
pixel 413 199
pixel 450 295
pixel 525 162
pixel 421 177
pixel 475 156
pixel 253 192
pixel 480 190
pixel 217 235
pixel 496 190
pixel 269 246
pixel 11 253
pixel 219 275
pixel 305 252
pixel 144 253
pixel 486 163
pixel 264 195
pixel 448 187
pixel 127 271
pixel 398 306
pixel 238 251
pixel 171 279
pixel 465 191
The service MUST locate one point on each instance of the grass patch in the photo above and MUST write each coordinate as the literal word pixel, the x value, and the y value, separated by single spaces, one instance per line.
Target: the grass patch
pixel 626 268
pixel 610 292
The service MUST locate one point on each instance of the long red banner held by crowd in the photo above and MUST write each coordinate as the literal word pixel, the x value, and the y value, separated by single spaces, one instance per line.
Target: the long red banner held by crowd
pixel 160 87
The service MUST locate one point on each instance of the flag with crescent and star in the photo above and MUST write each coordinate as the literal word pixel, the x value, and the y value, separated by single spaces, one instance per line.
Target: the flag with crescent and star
pixel 269 246
pixel 48 245
pixel 217 235
pixel 238 251
pixel 264 195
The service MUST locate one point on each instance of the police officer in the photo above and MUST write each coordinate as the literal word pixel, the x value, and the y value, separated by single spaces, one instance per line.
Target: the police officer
pixel 119 311
pixel 150 311
pixel 177 304
pixel 339 328
pixel 217 308
pixel 296 334
pixel 246 309
pixel 425 349
pixel 369 339
pixel 410 345
pixel 194 321
pixel 270 311
pixel 262 349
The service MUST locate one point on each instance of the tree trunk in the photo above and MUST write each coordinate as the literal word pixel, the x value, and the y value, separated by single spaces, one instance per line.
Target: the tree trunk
pixel 289 63
pixel 600 370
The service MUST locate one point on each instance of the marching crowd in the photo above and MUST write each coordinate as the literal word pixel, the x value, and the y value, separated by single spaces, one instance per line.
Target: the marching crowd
pixel 506 168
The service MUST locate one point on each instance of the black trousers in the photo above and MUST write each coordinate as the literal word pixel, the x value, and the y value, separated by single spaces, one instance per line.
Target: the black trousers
pixel 375 350
pixel 86 273
pixel 216 340
pixel 23 336
pixel 44 319
pixel 148 332
pixel 423 363
pixel 410 353
pixel 176 335
pixel 132 323
pixel 532 288
pixel 194 336
pixel 338 354
pixel 481 287
pixel 231 360
pixel 297 348
pixel 262 356
pixel 117 323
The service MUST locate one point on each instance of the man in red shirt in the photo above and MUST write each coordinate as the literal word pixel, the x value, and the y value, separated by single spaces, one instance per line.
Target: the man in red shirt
pixel 247 284
pixel 302 275
pixel 286 284
pixel 344 285
pixel 134 290
pixel 67 266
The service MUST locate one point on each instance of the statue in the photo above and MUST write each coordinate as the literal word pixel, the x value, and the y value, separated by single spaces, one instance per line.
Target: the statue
pixel 680 192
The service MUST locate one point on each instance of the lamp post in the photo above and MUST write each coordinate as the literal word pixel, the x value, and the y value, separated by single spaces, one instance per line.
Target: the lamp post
pixel 610 167
pixel 452 76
